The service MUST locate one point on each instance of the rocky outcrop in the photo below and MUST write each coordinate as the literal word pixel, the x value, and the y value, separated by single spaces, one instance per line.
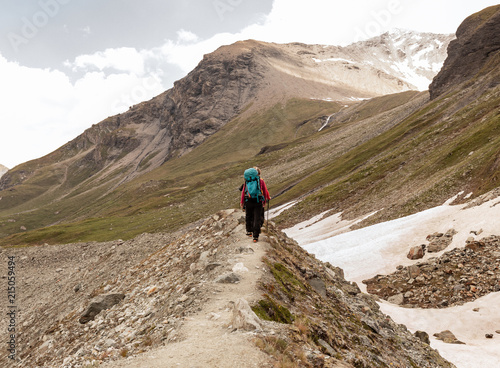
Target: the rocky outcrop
pixel 345 325
pixel 447 337
pixel 458 276
pixel 152 132
pixel 477 43
pixel 440 241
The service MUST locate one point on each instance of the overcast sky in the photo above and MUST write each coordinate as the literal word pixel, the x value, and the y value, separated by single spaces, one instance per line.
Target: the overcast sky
pixel 68 64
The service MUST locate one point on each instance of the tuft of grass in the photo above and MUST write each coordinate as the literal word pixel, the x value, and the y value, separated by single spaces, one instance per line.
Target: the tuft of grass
pixel 269 310
pixel 279 349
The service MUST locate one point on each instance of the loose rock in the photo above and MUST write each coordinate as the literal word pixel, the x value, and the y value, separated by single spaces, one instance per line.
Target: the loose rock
pixel 228 278
pixel 102 303
pixel 448 337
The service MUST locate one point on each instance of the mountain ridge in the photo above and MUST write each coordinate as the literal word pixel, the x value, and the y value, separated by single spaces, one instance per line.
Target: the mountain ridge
pixel 249 82
pixel 385 134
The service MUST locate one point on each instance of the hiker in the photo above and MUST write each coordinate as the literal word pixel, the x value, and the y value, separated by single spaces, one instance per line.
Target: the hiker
pixel 254 196
pixel 262 217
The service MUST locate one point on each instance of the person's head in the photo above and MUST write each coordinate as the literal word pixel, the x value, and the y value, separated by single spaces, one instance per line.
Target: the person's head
pixel 258 170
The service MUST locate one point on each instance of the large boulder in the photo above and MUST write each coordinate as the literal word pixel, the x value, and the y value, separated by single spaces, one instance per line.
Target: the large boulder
pixel 244 317
pixel 99 304
pixel 416 252
pixel 448 337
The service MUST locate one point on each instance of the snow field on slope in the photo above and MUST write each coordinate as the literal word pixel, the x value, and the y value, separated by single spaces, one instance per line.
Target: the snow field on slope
pixel 380 248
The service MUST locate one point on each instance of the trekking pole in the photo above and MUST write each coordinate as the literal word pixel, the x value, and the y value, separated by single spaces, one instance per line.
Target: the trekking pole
pixel 267 222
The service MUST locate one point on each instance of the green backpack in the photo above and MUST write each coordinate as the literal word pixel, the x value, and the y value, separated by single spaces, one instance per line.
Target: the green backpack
pixel 252 185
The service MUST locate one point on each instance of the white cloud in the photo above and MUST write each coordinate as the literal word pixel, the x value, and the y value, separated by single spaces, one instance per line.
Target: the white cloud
pixel 42 109
pixel 186 36
pixel 123 59
pixel 187 56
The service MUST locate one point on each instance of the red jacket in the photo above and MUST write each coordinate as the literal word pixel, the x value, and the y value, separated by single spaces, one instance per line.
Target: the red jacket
pixel 263 189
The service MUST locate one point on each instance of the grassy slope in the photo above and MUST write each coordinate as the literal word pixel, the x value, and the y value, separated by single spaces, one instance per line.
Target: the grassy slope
pixel 158 200
pixel 450 145
pixel 396 152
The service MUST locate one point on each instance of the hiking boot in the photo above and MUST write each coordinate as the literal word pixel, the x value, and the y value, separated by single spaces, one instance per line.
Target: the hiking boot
pixel 249 234
pixel 255 240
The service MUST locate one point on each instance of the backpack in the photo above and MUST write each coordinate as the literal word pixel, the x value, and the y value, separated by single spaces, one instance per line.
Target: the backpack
pixel 252 185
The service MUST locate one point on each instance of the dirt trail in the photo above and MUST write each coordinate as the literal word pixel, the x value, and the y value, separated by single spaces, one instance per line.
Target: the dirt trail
pixel 207 338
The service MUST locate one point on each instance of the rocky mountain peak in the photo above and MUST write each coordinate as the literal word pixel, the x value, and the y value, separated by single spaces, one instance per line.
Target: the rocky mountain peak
pixel 477 42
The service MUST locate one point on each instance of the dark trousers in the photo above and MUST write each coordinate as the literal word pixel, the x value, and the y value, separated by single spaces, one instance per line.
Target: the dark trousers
pixel 253 216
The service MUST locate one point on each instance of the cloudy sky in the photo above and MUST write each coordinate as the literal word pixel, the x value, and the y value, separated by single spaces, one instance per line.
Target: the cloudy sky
pixel 68 64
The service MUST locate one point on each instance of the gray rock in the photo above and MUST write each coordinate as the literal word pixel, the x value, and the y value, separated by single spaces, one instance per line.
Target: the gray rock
pixel 211 266
pixel 101 303
pixel 352 288
pixel 228 278
pixel 413 271
pixel 416 252
pixel 204 257
pixel 247 250
pixel 318 285
pixel 397 299
pixel 448 337
pixel 423 336
pixel 373 325
pixel 408 294
pixel 329 350
pixel 244 318
pixel 110 343
pixel 440 241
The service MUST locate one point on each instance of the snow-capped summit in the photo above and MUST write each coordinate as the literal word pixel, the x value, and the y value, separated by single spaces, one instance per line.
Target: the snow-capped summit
pixel 414 57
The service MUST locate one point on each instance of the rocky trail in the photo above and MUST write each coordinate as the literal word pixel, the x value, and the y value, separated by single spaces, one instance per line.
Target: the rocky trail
pixel 213 337
pixel 204 297
pixel 96 302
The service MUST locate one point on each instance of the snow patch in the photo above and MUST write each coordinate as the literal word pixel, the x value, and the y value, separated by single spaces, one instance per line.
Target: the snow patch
pixel 326 123
pixel 278 210
pixel 319 227
pixel 468 326
pixel 334 59
pixel 380 248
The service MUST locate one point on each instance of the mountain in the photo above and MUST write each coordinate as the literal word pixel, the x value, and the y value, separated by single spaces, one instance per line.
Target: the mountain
pixel 280 91
pixel 322 152
pixel 3 170
pixel 442 147
pixel 473 54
